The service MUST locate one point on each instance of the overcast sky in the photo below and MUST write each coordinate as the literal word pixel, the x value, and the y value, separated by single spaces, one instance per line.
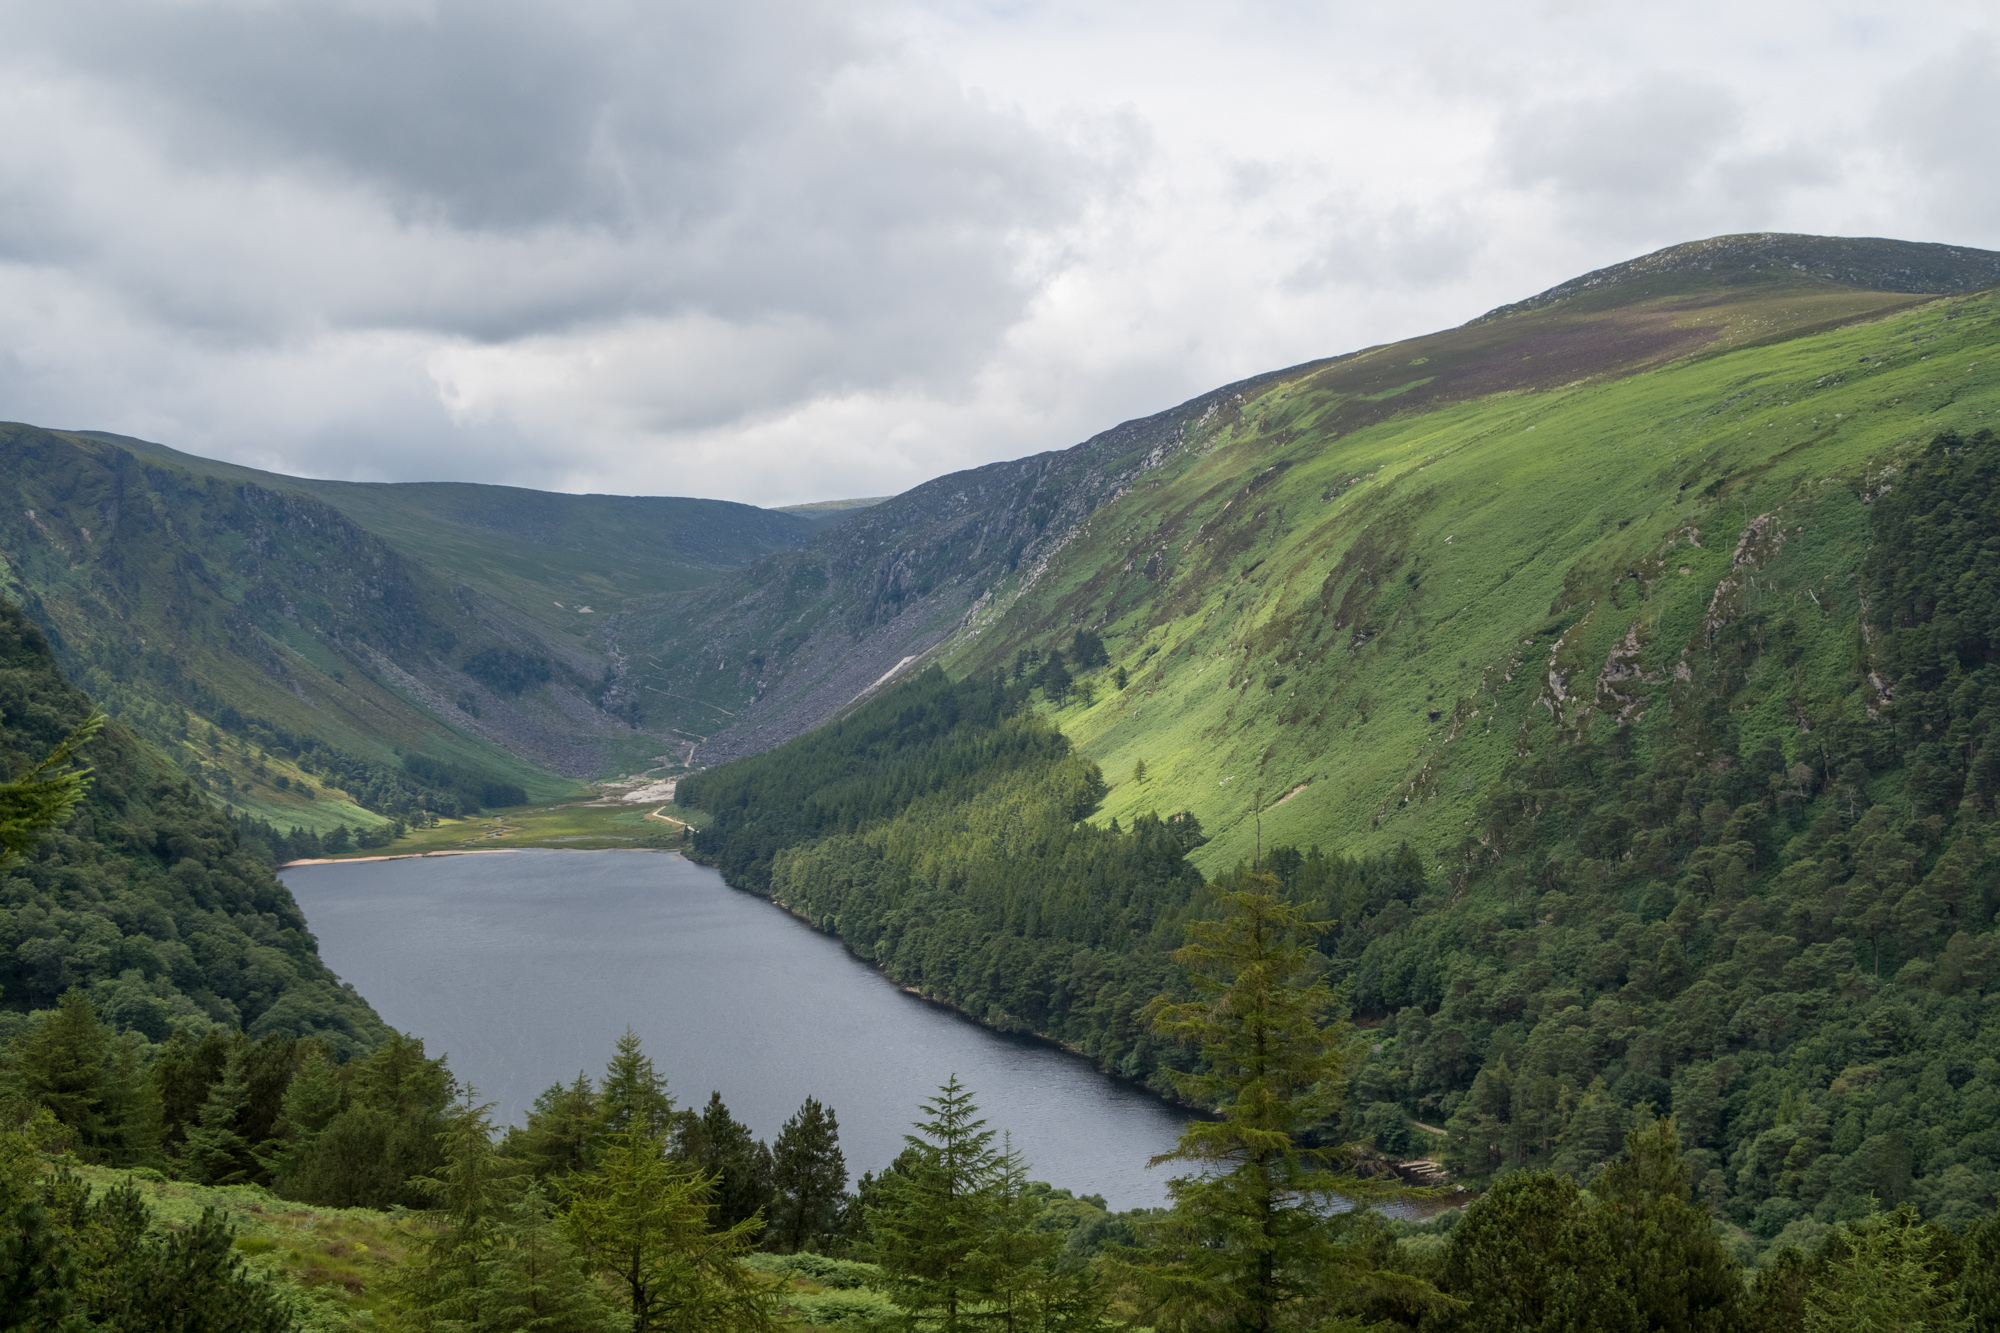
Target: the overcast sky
pixel 780 251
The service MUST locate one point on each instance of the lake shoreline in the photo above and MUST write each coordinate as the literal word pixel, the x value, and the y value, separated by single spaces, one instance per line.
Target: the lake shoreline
pixel 469 851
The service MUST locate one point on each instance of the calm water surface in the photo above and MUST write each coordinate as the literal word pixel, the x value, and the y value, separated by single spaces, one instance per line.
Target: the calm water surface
pixel 525 968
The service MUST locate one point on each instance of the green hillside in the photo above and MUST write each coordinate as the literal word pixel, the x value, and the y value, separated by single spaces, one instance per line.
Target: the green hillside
pixel 1355 620
pixel 1628 722
pixel 145 901
pixel 557 558
pixel 931 574
pixel 324 654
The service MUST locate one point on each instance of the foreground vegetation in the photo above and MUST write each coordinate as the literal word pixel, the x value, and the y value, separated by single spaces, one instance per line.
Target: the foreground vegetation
pixel 380 1196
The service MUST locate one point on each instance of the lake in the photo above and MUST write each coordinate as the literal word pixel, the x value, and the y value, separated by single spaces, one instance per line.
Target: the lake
pixel 525 967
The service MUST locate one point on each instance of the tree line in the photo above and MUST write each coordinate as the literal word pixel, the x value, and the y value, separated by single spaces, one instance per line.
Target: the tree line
pixel 613 1208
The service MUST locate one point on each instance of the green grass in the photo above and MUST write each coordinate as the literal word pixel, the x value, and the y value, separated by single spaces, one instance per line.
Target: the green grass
pixel 1498 533
pixel 338 1262
pixel 577 824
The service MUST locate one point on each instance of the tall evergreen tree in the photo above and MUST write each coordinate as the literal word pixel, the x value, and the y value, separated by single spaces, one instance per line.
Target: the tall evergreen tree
pixel 1893 1272
pixel 61 1065
pixel 809 1175
pixel 183 1072
pixel 531 1279
pixel 444 1275
pixel 936 1211
pixel 561 1127
pixel 633 1097
pixel 216 1150
pixel 1520 1257
pixel 1251 1241
pixel 1027 1290
pixel 723 1148
pixel 312 1099
pixel 1670 1263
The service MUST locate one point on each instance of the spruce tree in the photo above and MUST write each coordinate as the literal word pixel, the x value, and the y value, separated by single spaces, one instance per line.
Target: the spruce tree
pixel 312 1099
pixel 720 1146
pixel 1019 1265
pixel 183 1072
pixel 1885 1273
pixel 443 1277
pixel 809 1175
pixel 1520 1255
pixel 215 1150
pixel 1670 1262
pixel 936 1210
pixel 61 1065
pixel 1252 1240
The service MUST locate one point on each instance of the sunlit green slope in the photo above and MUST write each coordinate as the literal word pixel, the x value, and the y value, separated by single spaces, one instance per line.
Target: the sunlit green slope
pixel 1352 619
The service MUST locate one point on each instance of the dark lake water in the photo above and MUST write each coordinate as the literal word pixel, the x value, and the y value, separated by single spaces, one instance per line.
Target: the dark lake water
pixel 525 968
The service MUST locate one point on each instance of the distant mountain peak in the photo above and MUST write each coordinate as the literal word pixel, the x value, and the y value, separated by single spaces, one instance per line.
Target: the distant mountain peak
pixel 1867 263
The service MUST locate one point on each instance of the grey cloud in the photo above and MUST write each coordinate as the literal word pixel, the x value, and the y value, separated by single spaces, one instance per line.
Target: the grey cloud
pixel 495 168
pixel 1664 155
pixel 1646 141
pixel 1937 125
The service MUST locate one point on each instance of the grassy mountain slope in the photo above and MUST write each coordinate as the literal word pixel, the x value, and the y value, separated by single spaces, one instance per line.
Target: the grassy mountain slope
pixel 790 641
pixel 1353 620
pixel 542 554
pixel 145 899
pixel 251 632
pixel 293 642
pixel 1633 734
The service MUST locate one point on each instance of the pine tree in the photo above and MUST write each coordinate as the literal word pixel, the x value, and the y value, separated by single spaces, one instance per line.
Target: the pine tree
pixel 1521 1254
pixel 809 1174
pixel 1669 1259
pixel 444 1277
pixel 1027 1290
pixel 312 1099
pixel 132 1112
pixel 182 1073
pixel 1054 678
pixel 1251 1241
pixel 1883 1274
pixel 936 1210
pixel 720 1146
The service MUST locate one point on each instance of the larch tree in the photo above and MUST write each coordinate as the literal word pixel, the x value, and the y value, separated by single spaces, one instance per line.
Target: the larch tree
pixel 643 1218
